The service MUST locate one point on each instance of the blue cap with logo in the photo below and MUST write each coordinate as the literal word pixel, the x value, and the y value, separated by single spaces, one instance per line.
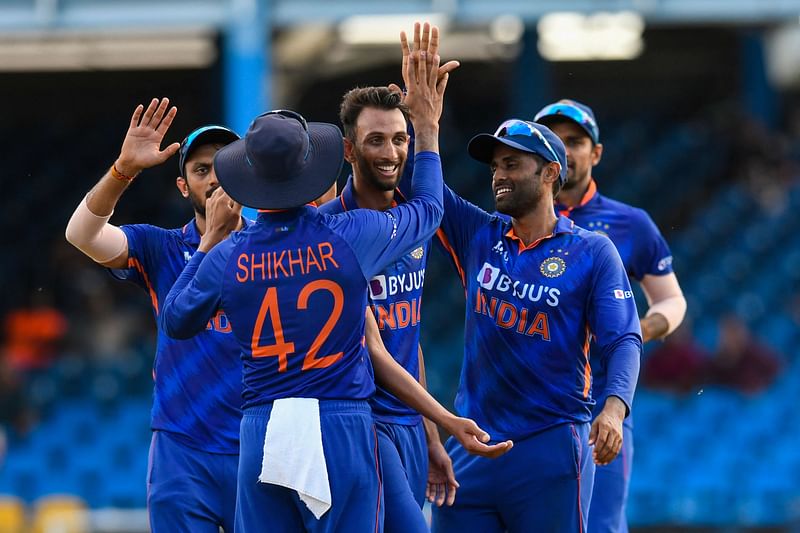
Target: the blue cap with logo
pixel 572 110
pixel 211 134
pixel 525 136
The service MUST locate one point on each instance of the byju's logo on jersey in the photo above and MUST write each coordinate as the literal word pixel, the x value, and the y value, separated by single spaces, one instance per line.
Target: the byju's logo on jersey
pixel 488 276
pixel 382 286
pixel 619 294
pixel 377 288
pixel 552 267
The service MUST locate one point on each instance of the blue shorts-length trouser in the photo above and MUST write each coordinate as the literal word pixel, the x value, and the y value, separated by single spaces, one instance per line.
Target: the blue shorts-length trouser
pixel 189 490
pixel 349 441
pixel 404 460
pixel 544 484
pixel 611 482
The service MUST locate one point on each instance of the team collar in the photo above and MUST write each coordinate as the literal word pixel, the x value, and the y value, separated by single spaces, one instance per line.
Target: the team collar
pixel 590 194
pixel 348 196
pixel 563 225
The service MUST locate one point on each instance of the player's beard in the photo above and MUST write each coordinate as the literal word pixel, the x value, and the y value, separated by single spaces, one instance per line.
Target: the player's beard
pixel 523 199
pixel 198 201
pixel 368 174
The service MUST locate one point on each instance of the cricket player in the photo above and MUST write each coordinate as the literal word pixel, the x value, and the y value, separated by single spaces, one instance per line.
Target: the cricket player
pixel 191 479
pixel 295 288
pixel 538 289
pixel 647 259
pixel 376 145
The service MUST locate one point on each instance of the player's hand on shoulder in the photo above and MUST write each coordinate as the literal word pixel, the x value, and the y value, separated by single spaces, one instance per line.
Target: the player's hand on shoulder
pixel 474 439
pixel 223 215
pixel 606 431
pixel 141 148
pixel 442 484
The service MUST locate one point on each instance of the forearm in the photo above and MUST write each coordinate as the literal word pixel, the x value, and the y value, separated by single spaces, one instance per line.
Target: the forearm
pixel 88 228
pixel 394 378
pixel 622 368
pixel 186 308
pixel 426 137
pixel 654 326
pixel 431 431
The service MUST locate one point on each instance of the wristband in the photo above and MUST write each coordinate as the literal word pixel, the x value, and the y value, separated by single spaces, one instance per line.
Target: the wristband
pixel 119 175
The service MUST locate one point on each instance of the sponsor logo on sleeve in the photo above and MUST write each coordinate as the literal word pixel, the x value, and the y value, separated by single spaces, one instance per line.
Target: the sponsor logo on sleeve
pixel 619 294
pixel 665 263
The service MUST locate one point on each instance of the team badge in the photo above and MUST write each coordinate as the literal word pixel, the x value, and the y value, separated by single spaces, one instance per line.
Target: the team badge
pixel 417 254
pixel 552 267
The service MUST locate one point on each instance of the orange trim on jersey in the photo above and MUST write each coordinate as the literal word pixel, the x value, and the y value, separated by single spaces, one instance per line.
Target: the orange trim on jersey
pixel 341 200
pixel 580 454
pixel 522 247
pixel 585 199
pixel 380 482
pixel 587 369
pixel 134 263
pixel 447 246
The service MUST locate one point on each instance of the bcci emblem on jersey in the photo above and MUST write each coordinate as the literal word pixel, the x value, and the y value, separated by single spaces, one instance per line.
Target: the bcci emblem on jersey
pixel 417 254
pixel 552 267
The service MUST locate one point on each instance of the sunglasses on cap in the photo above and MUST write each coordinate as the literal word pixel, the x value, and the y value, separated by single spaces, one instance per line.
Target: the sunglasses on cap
pixel 513 127
pixel 574 113
pixel 188 142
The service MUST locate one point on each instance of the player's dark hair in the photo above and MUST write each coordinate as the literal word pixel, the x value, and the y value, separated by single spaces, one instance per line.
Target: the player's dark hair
pixel 355 100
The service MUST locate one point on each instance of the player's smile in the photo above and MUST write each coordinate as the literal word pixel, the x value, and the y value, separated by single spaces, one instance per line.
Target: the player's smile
pixel 388 170
pixel 501 191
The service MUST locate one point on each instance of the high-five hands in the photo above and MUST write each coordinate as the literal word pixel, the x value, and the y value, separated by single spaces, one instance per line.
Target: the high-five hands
pixel 141 148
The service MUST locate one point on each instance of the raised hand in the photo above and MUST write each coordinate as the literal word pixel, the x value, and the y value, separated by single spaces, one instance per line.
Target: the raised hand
pixel 428 41
pixel 141 148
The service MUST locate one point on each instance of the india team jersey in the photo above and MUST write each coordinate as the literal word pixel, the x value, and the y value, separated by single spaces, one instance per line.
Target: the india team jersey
pixel 530 313
pixel 294 286
pixel 639 242
pixel 198 391
pixel 395 297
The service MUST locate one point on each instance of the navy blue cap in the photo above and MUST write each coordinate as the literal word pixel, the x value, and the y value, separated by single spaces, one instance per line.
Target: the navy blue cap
pixel 525 136
pixel 211 134
pixel 282 161
pixel 572 110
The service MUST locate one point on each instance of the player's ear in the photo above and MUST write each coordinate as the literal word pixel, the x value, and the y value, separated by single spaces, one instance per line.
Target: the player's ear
pixel 597 153
pixel 550 174
pixel 349 151
pixel 182 185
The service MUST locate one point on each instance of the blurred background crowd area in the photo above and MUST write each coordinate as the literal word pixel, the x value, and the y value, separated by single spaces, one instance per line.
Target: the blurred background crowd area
pixel 700 119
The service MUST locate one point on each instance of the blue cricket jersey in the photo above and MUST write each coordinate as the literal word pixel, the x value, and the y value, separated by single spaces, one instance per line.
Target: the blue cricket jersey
pixel 395 297
pixel 530 313
pixel 639 242
pixel 198 381
pixel 294 286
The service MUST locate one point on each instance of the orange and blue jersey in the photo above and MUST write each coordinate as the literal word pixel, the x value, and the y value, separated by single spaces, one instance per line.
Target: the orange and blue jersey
pixel 294 286
pixel 530 315
pixel 639 242
pixel 395 298
pixel 198 392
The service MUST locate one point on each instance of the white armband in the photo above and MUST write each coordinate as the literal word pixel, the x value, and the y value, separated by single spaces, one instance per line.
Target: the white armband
pixel 94 236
